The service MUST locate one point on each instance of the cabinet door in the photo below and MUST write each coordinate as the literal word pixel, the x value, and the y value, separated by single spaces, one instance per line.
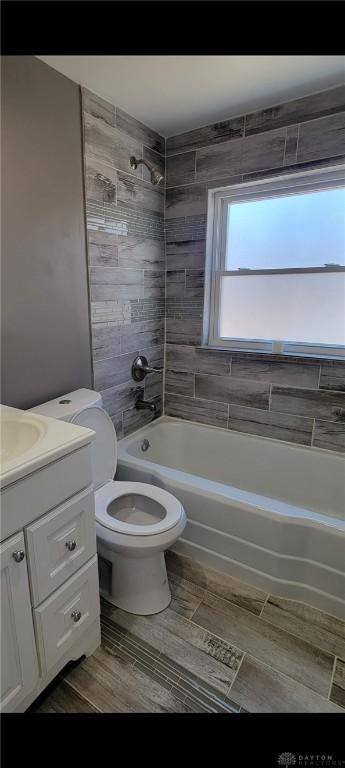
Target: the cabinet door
pixel 19 669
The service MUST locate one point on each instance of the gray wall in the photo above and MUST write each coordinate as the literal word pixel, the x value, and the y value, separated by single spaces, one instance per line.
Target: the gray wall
pixel 45 316
pixel 46 339
pixel 126 258
pixel 294 399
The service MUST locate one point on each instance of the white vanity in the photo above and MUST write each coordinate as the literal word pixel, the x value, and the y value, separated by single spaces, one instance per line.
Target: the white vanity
pixel 49 575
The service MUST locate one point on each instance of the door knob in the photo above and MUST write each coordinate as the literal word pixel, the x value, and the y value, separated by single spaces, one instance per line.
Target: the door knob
pixel 76 616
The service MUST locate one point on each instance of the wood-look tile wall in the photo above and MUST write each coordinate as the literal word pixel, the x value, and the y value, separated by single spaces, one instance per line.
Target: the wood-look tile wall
pixel 294 399
pixel 126 253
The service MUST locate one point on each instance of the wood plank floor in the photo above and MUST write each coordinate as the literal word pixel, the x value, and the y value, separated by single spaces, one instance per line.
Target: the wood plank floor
pixel 221 646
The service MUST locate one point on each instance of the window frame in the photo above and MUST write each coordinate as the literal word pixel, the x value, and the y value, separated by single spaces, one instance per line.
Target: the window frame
pixel 218 200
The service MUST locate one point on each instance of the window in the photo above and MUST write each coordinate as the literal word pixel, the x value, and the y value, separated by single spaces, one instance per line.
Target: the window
pixel 276 265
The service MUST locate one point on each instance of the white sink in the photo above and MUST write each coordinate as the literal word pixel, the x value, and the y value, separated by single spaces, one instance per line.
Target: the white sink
pixel 29 441
pixel 18 436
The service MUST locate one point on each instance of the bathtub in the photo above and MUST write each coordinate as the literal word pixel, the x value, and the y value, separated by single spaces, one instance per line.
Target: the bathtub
pixel 269 513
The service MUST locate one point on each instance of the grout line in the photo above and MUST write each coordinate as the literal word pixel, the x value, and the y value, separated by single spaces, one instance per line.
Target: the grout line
pixel 332 678
pixel 170 663
pixel 270 397
pixel 213 698
pixel 206 631
pixel 264 605
pixel 131 648
pixel 266 173
pixel 313 433
pixel 255 132
pixel 236 673
pixel 182 677
pixel 223 639
pixel 195 610
pixel 294 443
pixel 297 637
pixel 288 677
pixel 246 653
pixel 297 143
pixel 166 279
pixel 284 153
pixel 92 704
pixel 319 379
pixel 125 269
pixel 186 672
pixel 255 408
pixel 124 354
pixel 280 629
pixel 210 145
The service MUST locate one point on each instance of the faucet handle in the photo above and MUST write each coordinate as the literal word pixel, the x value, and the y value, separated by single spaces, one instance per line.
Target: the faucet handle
pixel 141 368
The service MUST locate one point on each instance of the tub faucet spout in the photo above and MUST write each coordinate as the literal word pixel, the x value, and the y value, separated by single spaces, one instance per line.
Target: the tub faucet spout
pixel 142 405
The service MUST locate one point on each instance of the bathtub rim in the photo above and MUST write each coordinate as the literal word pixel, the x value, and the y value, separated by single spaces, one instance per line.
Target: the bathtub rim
pixel 284 511
pixel 165 419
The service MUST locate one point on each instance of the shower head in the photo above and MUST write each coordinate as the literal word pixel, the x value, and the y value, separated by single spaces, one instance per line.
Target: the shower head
pixel 156 176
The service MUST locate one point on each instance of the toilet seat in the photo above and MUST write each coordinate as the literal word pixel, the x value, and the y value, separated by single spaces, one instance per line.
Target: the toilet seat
pixel 113 490
pixel 104 460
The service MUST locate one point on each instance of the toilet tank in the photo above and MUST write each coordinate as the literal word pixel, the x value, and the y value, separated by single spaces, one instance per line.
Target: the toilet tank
pixel 67 406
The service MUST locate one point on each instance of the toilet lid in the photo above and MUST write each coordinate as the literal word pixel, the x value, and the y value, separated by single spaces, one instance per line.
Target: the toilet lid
pixel 103 447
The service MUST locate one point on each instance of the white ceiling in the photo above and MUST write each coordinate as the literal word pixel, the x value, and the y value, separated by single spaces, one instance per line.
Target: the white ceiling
pixel 172 94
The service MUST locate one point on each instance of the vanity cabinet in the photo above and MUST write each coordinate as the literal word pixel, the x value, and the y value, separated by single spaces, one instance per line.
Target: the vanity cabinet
pixel 19 667
pixel 50 609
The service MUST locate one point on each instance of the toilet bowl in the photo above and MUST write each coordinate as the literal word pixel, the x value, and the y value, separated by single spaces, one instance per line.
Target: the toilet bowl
pixel 135 522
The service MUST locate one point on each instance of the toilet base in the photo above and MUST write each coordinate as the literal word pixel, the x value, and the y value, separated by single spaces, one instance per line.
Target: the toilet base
pixel 138 585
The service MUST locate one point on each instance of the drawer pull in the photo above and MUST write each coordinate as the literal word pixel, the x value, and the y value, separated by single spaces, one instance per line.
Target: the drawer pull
pixel 71 545
pixel 18 555
pixel 76 616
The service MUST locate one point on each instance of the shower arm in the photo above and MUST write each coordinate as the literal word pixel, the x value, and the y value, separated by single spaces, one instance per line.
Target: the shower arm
pixel 134 163
pixel 156 175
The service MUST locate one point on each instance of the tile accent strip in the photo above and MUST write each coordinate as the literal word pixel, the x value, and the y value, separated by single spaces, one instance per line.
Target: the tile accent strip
pixel 167 671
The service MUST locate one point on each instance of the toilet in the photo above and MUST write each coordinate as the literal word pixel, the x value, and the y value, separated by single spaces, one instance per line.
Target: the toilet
pixel 135 522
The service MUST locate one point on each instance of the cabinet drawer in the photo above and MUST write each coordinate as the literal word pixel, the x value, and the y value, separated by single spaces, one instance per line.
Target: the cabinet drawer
pixel 34 495
pixel 66 615
pixel 59 543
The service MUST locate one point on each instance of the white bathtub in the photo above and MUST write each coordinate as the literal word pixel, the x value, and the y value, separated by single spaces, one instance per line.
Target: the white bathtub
pixel 267 512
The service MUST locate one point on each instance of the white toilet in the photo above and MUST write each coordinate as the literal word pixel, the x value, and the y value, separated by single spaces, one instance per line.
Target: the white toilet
pixel 135 522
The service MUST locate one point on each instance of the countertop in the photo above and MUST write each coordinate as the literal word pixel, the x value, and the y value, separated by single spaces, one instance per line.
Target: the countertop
pixel 29 441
